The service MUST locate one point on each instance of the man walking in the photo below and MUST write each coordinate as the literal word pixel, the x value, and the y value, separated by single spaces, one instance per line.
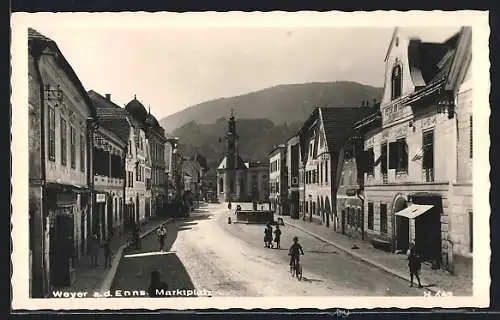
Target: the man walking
pixel 414 264
pixel 94 250
pixel 162 234
pixel 107 252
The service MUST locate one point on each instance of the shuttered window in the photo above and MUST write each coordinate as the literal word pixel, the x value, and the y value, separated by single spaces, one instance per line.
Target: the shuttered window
pixel 398 155
pixel 82 153
pixel 371 161
pixel 428 156
pixel 64 142
pixel 383 160
pixel 370 216
pixel 52 134
pixel 72 146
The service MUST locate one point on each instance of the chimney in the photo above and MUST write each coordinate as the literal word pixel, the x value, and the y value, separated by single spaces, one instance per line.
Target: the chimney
pixel 108 96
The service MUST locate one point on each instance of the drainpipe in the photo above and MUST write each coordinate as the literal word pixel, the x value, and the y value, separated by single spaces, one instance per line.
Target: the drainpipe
pixel 38 289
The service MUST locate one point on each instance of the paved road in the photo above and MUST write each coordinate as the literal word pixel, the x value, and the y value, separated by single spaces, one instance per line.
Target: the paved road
pixel 204 252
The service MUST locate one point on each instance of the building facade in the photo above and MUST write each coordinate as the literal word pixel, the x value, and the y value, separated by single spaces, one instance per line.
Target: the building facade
pixel 322 140
pixel 278 180
pixel 407 194
pixel 138 166
pixel 293 176
pixel 110 151
pixel 461 220
pixel 60 118
pixel 157 140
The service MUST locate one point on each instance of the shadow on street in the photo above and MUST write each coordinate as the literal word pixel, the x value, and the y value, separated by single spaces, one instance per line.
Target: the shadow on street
pixel 134 272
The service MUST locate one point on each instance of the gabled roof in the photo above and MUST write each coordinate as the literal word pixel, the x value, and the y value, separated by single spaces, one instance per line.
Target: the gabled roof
pixel 339 123
pixel 111 116
pixel 463 53
pixel 239 165
pixel 37 42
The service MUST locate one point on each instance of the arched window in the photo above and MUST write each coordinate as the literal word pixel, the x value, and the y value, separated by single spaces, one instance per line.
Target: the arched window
pixel 396 83
pixel 221 185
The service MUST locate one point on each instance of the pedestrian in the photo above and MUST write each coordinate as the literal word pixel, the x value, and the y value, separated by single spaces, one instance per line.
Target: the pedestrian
pixel 94 250
pixel 162 234
pixel 156 285
pixel 414 264
pixel 266 237
pixel 107 252
pixel 277 236
pixel 269 236
pixel 136 236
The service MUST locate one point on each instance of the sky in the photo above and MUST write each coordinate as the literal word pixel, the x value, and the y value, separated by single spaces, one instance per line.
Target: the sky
pixel 172 68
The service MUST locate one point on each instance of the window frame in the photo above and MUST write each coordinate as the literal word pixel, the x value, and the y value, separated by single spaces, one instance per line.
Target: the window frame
pixel 383 213
pixel 51 133
pixel 63 129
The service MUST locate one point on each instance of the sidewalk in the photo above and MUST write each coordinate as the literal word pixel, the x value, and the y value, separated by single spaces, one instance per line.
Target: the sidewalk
pixel 92 279
pixel 396 264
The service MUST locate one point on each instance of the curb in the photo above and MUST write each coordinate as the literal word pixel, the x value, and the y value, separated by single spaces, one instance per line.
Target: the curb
pixel 364 259
pixel 108 280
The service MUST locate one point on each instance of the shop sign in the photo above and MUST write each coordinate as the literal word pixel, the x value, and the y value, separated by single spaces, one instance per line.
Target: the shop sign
pixel 100 197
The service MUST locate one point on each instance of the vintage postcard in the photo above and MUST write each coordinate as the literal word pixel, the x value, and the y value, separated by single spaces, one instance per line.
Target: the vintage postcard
pixel 250 160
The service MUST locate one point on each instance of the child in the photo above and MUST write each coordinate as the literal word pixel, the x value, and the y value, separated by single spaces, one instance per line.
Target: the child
pixel 277 235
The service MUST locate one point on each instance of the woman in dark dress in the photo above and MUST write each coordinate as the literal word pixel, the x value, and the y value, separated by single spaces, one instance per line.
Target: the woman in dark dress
pixel 414 264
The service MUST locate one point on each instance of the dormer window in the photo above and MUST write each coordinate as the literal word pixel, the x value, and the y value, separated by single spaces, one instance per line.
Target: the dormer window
pixel 396 82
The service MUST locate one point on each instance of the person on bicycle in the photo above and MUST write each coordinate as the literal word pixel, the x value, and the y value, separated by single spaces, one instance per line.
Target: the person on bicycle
pixel 161 234
pixel 295 252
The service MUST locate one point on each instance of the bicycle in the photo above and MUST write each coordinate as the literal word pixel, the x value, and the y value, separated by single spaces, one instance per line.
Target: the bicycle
pixel 296 269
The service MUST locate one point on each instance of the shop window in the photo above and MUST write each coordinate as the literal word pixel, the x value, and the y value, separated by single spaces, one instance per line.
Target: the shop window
pixel 383 218
pixel 370 216
pixel 428 156
pixel 64 142
pixel 396 83
pixel 398 156
pixel 52 134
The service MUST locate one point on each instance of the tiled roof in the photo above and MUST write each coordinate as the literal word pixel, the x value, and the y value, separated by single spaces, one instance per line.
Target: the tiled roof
pixel 35 35
pixel 339 123
pixel 111 116
pixel 430 61
pixel 37 42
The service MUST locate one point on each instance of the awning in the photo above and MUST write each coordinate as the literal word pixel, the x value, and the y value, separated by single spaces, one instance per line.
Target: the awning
pixel 414 210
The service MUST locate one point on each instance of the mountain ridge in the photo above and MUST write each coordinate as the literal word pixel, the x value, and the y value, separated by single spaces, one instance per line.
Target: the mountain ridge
pixel 284 103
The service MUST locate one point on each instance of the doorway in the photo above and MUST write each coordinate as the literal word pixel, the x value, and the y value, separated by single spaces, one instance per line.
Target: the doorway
pixel 61 247
pixel 428 230
pixel 402 233
pixel 400 226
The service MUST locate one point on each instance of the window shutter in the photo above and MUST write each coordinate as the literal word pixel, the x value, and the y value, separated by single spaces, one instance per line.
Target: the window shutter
pixel 393 155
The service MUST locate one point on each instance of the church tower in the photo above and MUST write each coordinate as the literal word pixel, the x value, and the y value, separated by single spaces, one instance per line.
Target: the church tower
pixel 231 159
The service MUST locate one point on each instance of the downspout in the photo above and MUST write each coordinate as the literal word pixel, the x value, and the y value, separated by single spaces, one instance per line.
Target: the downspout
pixel 39 289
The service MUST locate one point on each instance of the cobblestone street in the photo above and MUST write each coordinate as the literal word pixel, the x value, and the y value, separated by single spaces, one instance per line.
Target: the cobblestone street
pixel 205 252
